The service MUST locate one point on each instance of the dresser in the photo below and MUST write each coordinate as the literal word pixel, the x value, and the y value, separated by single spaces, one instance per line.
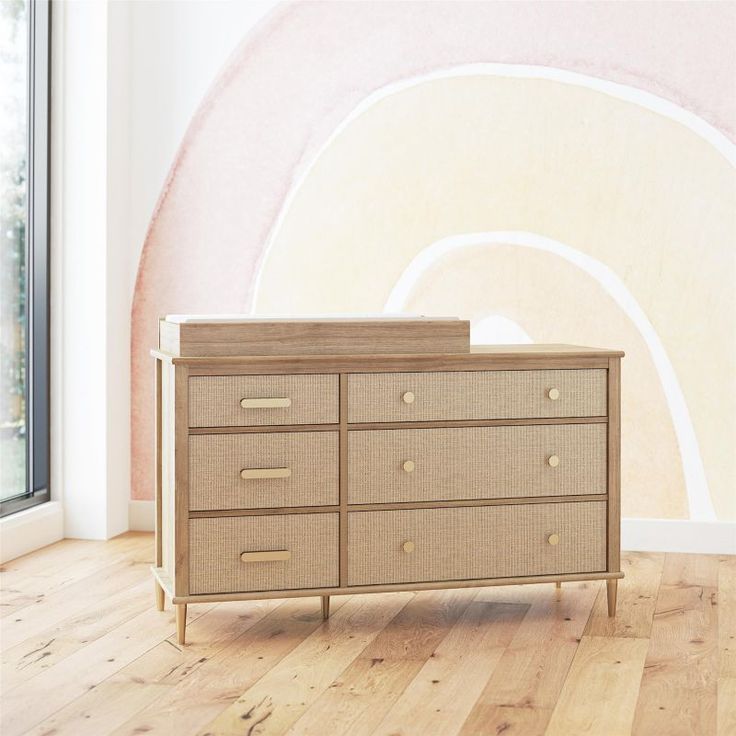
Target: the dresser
pixel 332 457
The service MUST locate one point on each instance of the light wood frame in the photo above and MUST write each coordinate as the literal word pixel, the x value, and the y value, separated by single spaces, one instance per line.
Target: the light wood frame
pixel 175 583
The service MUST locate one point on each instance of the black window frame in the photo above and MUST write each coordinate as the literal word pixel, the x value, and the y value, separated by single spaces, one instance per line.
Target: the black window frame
pixel 37 263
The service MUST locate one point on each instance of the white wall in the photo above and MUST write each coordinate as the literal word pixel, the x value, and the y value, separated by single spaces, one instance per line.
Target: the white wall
pixel 128 77
pixel 80 288
pixel 176 51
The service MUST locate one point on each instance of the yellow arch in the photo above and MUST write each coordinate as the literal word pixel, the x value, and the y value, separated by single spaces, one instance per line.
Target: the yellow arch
pixel 638 191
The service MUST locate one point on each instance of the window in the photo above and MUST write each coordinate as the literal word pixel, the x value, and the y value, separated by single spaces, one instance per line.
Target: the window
pixel 24 281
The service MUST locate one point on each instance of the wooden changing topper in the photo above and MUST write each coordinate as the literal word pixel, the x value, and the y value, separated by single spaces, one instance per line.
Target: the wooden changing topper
pixel 321 457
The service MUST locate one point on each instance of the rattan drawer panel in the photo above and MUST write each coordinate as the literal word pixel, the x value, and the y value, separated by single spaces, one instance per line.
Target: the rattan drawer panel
pixel 216 461
pixel 215 546
pixel 465 543
pixel 377 397
pixel 476 462
pixel 214 401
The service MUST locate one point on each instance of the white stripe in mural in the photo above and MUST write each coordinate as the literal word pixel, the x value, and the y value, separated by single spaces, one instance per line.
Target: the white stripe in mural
pixel 696 484
pixel 624 92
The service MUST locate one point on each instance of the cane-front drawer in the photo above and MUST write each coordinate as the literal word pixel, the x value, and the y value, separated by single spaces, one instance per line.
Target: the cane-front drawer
pixel 263 470
pixel 240 401
pixel 231 554
pixel 466 543
pixel 407 397
pixel 395 465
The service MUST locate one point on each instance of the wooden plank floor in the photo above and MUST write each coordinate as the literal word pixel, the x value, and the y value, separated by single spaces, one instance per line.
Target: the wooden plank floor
pixel 85 652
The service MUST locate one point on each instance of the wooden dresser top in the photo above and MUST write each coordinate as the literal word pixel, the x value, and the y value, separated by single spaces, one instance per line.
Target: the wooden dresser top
pixel 478 357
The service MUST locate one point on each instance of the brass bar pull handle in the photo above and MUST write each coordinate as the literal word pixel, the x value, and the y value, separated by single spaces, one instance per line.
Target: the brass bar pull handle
pixel 276 555
pixel 253 473
pixel 265 403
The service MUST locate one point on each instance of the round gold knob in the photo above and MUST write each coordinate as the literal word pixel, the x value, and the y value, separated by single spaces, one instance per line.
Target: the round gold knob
pixel 408 397
pixel 554 394
pixel 553 539
pixel 553 461
pixel 409 466
pixel 408 547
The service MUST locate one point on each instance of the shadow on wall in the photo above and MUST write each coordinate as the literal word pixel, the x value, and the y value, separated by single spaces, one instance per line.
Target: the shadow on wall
pixel 616 174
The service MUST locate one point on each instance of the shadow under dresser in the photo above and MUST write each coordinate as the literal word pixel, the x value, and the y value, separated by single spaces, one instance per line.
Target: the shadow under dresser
pixel 383 455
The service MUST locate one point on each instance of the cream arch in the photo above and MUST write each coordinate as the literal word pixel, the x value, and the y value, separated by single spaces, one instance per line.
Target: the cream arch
pixel 696 483
pixel 630 181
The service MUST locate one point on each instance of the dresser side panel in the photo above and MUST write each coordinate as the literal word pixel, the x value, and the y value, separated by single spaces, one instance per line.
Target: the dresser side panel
pixel 614 465
pixel 181 479
pixel 167 468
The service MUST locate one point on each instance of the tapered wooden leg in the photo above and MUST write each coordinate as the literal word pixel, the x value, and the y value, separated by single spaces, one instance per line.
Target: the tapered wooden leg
pixel 325 607
pixel 558 590
pixel 181 622
pixel 612 588
pixel 159 596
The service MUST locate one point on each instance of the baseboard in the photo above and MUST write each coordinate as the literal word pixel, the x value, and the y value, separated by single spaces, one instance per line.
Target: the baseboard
pixel 641 535
pixel 141 516
pixel 679 535
pixel 30 530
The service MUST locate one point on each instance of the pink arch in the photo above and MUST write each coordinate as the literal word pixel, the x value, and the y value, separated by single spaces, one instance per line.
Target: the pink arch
pixel 307 65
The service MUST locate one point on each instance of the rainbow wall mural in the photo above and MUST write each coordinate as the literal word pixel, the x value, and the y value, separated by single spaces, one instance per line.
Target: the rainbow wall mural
pixel 553 172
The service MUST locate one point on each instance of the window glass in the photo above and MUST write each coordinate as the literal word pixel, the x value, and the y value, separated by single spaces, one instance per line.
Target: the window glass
pixel 14 138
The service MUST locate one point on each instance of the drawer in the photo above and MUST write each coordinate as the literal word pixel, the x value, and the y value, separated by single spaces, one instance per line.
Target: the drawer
pixel 304 548
pixel 259 470
pixel 396 465
pixel 466 543
pixel 409 397
pixel 240 401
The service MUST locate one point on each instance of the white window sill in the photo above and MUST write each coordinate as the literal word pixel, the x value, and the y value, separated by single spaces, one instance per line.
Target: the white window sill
pixel 30 529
